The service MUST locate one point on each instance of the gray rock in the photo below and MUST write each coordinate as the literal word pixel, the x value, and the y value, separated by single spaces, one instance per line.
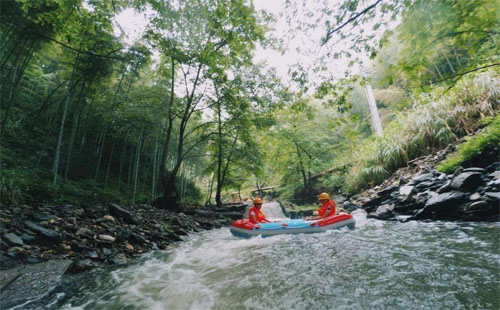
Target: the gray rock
pixel 475 196
pixel 82 265
pixel 122 213
pixel 107 238
pixel 387 191
pixel 13 239
pixel 423 178
pixel 84 231
pixel 42 230
pixel 467 181
pixel 493 167
pixel 406 192
pixel 119 259
pixel 383 212
pixel 33 281
pixel 475 169
pixel 425 185
pixel 493 195
pixel 445 188
pixel 478 206
pixel 442 206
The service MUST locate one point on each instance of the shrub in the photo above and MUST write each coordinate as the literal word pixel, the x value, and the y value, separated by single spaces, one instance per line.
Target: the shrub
pixel 435 121
pixel 487 140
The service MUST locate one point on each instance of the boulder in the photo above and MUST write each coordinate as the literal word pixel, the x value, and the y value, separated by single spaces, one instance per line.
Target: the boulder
pixel 383 212
pixel 468 181
pixel 425 185
pixel 442 206
pixel 34 281
pixel 423 178
pixel 406 192
pixel 386 191
pixel 122 213
pixel 45 232
pixel 446 187
pixel 13 239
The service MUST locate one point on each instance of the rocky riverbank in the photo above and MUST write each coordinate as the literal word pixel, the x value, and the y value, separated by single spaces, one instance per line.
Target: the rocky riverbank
pixel 470 194
pixel 100 234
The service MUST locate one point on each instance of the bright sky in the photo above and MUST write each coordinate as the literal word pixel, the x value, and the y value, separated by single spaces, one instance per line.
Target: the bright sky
pixel 131 25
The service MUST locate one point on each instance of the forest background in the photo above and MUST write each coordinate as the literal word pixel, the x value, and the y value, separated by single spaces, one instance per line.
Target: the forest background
pixel 186 114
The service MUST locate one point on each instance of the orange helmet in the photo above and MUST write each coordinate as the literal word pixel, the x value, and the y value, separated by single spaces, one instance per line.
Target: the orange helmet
pixel 324 196
pixel 257 201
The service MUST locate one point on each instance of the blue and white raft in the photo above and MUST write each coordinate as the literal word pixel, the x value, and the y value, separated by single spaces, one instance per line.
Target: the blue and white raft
pixel 246 229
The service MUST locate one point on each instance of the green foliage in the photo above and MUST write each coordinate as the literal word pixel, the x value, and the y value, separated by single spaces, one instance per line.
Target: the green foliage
pixel 431 125
pixel 487 140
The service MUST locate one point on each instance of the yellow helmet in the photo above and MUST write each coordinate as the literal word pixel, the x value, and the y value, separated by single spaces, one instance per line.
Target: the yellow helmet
pixel 324 196
pixel 258 201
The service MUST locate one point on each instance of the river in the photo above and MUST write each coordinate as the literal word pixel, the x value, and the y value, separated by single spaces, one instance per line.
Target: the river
pixel 378 265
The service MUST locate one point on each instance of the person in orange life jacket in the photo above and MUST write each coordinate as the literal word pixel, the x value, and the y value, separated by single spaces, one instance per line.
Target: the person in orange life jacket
pixel 255 215
pixel 326 209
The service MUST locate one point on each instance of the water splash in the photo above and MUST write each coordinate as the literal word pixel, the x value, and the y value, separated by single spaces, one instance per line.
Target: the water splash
pixel 379 265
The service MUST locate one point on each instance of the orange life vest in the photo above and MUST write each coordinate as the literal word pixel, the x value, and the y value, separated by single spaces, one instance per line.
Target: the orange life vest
pixel 327 209
pixel 255 212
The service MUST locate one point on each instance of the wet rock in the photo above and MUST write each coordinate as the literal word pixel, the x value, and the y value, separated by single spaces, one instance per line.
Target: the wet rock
pixel 442 206
pixel 84 232
pixel 406 192
pixel 350 207
pixel 49 233
pixel 13 239
pixel 422 178
pixel 383 212
pixel 446 187
pixel 387 191
pixel 28 238
pixel 122 213
pixel 495 196
pixel 138 238
pixel 82 265
pixel 467 181
pixel 478 206
pixel 425 185
pixel 119 259
pixel 107 238
pixel 475 169
pixel 493 167
pixel 475 196
pixel 33 282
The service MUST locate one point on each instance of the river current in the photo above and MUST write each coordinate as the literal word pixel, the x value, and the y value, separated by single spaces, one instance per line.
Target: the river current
pixel 378 265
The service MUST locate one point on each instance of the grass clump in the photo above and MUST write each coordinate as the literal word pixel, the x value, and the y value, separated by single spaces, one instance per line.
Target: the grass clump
pixel 488 139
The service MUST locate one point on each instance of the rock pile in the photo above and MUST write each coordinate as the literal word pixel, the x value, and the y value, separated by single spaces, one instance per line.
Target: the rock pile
pixel 470 194
pixel 93 235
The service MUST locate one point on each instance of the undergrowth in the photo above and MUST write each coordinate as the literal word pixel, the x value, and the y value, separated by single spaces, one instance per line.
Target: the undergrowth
pixel 435 121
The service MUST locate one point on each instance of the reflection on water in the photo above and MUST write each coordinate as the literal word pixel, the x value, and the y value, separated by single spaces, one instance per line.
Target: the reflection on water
pixel 379 265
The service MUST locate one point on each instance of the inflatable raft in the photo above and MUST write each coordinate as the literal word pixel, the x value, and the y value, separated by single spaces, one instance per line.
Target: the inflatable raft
pixel 245 229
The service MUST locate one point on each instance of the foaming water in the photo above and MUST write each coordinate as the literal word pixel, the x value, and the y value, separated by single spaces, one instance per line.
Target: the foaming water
pixel 379 265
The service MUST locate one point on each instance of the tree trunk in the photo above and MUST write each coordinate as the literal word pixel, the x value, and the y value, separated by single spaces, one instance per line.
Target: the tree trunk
pixel 55 167
pixel 136 170
pixel 109 163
